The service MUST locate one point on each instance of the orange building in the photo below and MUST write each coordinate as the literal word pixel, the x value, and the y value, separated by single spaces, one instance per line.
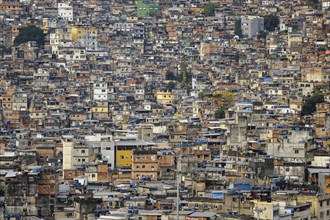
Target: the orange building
pixel 145 164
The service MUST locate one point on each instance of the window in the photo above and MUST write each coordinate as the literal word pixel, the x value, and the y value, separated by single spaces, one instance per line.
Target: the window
pixel 143 157
pixel 143 166
pixel 82 151
pixel 93 175
pixel 296 151
pixel 122 157
pixel 152 166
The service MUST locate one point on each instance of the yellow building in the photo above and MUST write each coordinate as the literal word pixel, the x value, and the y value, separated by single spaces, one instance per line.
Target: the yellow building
pixel 100 107
pixel 124 152
pixel 315 75
pixel 164 96
pixel 320 205
pixel 327 184
pixel 124 157
pixel 81 31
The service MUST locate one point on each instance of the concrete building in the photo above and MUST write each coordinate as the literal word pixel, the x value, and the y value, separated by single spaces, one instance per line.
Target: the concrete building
pixel 65 11
pixel 100 91
pixel 251 25
pixel 145 165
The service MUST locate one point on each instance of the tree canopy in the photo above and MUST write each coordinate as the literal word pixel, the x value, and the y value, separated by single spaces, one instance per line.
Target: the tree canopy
pixel 219 113
pixel 309 105
pixel 30 33
pixel 238 29
pixel 314 3
pixel 171 85
pixel 271 22
pixel 170 75
pixel 223 100
pixel 210 8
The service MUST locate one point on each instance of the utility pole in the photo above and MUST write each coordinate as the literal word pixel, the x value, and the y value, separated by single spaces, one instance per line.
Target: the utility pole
pixel 177 194
pixel 178 182
pixel 239 203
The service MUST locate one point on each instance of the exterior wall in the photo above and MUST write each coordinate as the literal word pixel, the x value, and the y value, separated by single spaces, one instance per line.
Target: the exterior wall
pixel 144 165
pixel 327 184
pixel 103 173
pixel 164 96
pixel 321 161
pixel 20 102
pixel 11 7
pixel 251 25
pixel 7 101
pixel 320 205
pixel 65 11
pixel 291 171
pixel 124 158
pixel 67 154
pixel 100 109
pixel 71 174
pixel 108 153
pixel 44 153
pixel 271 210
pixel 325 4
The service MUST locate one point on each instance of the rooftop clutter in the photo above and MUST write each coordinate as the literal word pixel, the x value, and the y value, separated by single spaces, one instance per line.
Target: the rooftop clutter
pixel 164 110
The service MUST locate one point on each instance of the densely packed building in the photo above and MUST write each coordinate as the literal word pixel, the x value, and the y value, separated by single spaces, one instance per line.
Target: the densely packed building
pixel 163 110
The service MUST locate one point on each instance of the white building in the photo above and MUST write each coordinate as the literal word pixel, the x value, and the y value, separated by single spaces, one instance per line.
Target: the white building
pixel 251 25
pixel 60 37
pixel 325 4
pixel 100 91
pixel 65 11
pixel 108 153
pixel 76 152
pixel 72 53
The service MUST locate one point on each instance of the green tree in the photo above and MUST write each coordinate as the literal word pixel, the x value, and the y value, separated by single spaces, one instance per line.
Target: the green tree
pixel 314 3
pixel 170 85
pixel 309 105
pixel 30 33
pixel 178 77
pixel 183 67
pixel 210 8
pixel 262 34
pixel 169 75
pixel 271 22
pixel 219 113
pixel 201 95
pixel 236 56
pixel 223 100
pixel 238 29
